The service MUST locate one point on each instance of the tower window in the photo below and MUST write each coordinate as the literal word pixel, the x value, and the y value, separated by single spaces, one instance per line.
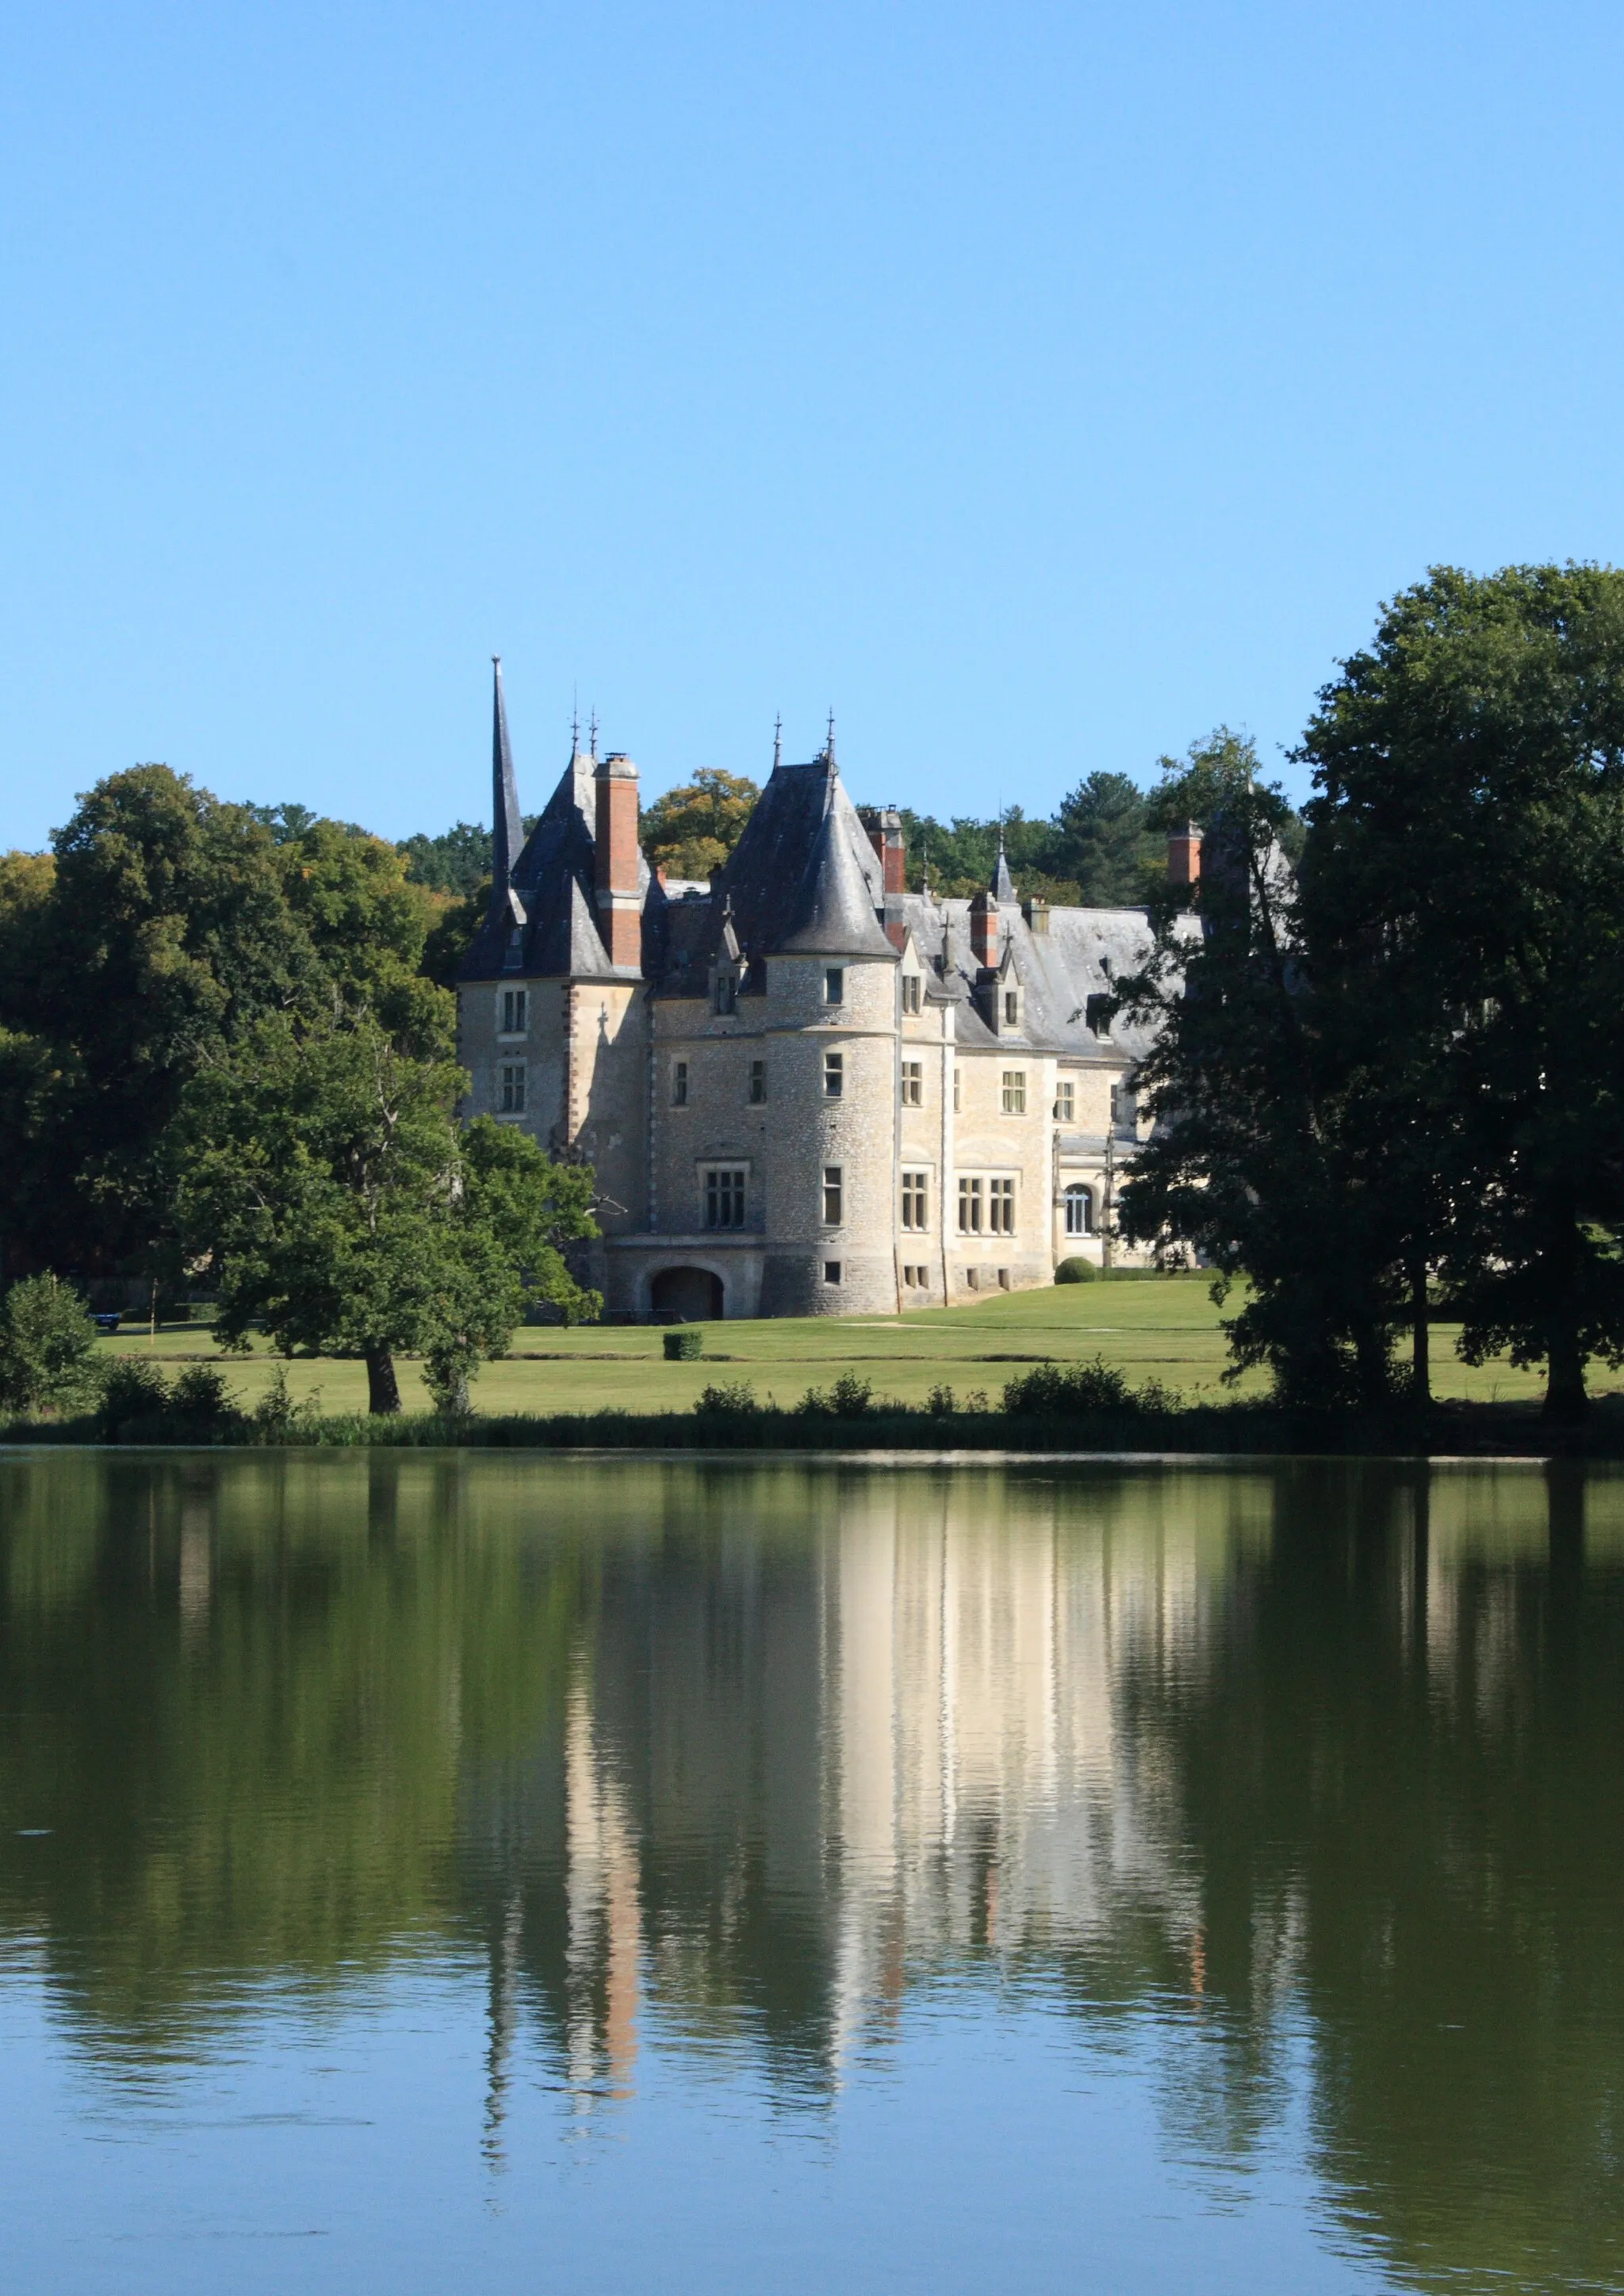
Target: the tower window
pixel 1079 1209
pixel 835 985
pixel 679 1084
pixel 725 1196
pixel 835 1195
pixel 832 1271
pixel 1065 1103
pixel 1001 1207
pixel 910 992
pixel 970 1207
pixel 834 1075
pixel 916 1199
pixel 514 1005
pixel 510 1088
pixel 1014 1092
pixel 757 1083
pixel 912 1083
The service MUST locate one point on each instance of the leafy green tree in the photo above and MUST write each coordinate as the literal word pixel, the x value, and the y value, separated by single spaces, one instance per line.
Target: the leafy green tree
pixel 454 861
pixel 1461 908
pixel 47 1348
pixel 1253 1159
pixel 320 1171
pixel 690 832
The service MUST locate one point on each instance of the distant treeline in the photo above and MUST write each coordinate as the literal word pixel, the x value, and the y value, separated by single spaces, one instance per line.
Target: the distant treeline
pixel 1104 847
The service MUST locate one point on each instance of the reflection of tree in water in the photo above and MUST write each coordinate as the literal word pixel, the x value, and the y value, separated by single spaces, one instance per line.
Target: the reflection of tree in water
pixel 734 1758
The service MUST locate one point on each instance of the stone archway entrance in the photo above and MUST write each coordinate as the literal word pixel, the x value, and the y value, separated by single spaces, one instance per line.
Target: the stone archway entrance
pixel 691 1295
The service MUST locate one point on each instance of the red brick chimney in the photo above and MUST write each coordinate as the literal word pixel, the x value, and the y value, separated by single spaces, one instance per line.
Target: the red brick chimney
pixel 1185 855
pixel 620 903
pixel 885 835
pixel 984 929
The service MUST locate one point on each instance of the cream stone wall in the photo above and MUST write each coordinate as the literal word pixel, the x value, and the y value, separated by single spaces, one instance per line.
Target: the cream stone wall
pixel 599 1058
pixel 990 1144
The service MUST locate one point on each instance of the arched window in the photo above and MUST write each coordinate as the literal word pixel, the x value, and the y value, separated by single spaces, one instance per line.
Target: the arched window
pixel 1079 1209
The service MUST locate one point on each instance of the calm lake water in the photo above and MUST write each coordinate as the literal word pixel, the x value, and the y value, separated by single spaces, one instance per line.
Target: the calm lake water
pixel 461 1873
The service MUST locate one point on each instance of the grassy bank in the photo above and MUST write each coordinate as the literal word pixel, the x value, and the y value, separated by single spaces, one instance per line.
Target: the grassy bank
pixel 1459 1430
pixel 1167 1329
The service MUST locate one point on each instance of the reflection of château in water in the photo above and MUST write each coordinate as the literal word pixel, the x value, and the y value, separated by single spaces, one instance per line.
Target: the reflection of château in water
pixel 793 1772
pixel 735 1759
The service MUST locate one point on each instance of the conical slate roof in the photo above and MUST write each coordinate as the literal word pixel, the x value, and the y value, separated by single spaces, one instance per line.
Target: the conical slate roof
pixel 804 878
pixel 1003 885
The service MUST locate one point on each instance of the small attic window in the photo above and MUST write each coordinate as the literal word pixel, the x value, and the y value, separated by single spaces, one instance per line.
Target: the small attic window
pixel 910 992
pixel 725 996
pixel 1097 1013
pixel 1012 1008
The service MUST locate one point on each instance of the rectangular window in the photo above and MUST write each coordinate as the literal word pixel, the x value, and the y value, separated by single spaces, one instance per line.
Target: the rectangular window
pixel 1124 1109
pixel 514 1003
pixel 510 1088
pixel 956 1091
pixel 1001 1207
pixel 912 1083
pixel 726 996
pixel 910 992
pixel 835 985
pixel 725 1196
pixel 970 1207
pixel 834 1075
pixel 916 1199
pixel 757 1083
pixel 833 1196
pixel 679 1084
pixel 1014 1092
pixel 1004 1279
pixel 1097 1013
pixel 1012 1008
pixel 832 1271
pixel 1065 1103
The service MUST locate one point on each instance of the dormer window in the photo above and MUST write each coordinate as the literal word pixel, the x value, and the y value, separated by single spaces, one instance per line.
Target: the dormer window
pixel 834 984
pixel 725 996
pixel 910 992
pixel 514 1005
pixel 1097 1013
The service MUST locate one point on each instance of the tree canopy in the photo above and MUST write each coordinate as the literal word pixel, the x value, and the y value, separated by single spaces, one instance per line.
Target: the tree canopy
pixel 322 1177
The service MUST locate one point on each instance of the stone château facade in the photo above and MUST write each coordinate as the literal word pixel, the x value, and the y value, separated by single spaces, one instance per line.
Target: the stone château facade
pixel 804 1090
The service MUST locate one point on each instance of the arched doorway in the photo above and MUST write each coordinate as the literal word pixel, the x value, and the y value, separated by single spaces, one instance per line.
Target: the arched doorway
pixel 688 1295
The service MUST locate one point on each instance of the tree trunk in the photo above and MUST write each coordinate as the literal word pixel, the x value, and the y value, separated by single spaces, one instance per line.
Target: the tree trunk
pixel 1566 1399
pixel 1421 1365
pixel 383 1387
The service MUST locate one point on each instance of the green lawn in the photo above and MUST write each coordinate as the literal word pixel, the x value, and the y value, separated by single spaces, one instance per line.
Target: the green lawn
pixel 1169 1327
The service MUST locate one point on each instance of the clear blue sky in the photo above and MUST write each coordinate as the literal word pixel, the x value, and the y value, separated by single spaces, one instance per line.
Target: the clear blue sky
pixel 1037 385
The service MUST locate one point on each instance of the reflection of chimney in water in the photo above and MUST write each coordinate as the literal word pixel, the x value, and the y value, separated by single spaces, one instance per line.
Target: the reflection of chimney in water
pixel 503 2018
pixel 604 1911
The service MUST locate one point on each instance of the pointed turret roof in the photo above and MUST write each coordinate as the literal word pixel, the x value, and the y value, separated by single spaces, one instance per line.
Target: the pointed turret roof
pixel 507 826
pixel 1003 885
pixel 803 876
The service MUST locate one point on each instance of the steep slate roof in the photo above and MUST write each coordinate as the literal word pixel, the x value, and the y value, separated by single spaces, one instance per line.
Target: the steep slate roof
pixel 804 878
pixel 553 879
pixel 1084 953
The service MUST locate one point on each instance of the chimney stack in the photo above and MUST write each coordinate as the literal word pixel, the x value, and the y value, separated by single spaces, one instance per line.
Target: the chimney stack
pixel 1184 857
pixel 620 903
pixel 984 922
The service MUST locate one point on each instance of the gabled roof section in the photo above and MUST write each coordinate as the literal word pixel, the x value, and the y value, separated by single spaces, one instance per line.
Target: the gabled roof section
pixel 553 879
pixel 804 878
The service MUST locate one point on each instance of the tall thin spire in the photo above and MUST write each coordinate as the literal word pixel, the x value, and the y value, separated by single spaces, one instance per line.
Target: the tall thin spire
pixel 1002 887
pixel 777 740
pixel 507 829
pixel 829 744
